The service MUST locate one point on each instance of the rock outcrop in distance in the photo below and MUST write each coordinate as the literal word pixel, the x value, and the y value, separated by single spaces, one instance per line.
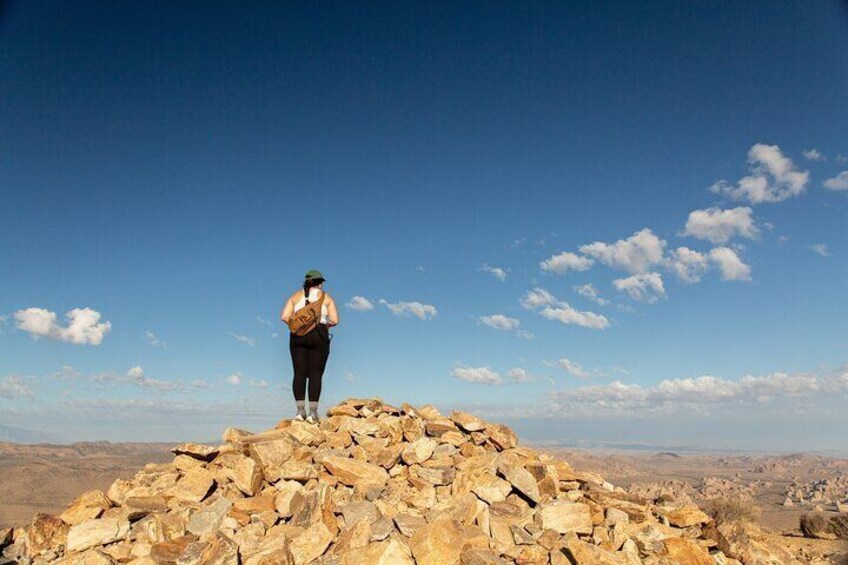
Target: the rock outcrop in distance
pixel 376 484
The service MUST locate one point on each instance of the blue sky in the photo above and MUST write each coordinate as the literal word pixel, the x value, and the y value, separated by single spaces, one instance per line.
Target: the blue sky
pixel 622 222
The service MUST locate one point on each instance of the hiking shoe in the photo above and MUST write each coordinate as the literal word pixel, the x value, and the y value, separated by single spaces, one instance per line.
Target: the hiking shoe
pixel 299 417
pixel 313 418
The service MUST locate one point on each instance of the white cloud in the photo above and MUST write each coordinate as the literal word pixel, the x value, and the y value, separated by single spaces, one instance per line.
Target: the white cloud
pixel 524 334
pixel 14 386
pixel 720 226
pixel 589 291
pixel 135 372
pixel 688 265
pixel 813 155
pixel 417 309
pixel 84 326
pixel 565 262
pixel 821 249
pixel 636 254
pixel 200 383
pixel 519 375
pixel 348 376
pixel 234 379
pixel 247 340
pixel 500 322
pixel 688 394
pixel 553 309
pixel 647 287
pixel 731 266
pixel 497 272
pixel 477 375
pixel 264 322
pixel 154 339
pixel 837 183
pixel 572 368
pixel 259 384
pixel 773 177
pixel 360 304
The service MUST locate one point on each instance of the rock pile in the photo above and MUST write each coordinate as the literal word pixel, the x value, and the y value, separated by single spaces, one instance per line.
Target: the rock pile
pixel 376 484
pixel 829 493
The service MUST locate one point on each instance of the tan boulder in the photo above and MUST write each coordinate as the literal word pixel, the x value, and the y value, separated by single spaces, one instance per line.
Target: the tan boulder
pixel 481 557
pixel 419 451
pixel 684 516
pixel 96 532
pixel 352 472
pixel 171 550
pixel 271 455
pixel 390 552
pixel 501 436
pixel 563 517
pixel 468 422
pixel 208 518
pixel 196 451
pixel 685 552
pixel 194 485
pixel 438 543
pixel 311 544
pixel 521 479
pixel 581 553
pixel 87 506
pixel 44 532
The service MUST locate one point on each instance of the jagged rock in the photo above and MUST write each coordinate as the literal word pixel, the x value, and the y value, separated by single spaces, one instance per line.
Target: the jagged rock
pixel 87 506
pixel 419 451
pixel 582 553
pixel 501 436
pixel 208 518
pixel 480 557
pixel 311 544
pixel 563 517
pixel 438 543
pixel 521 479
pixel 171 550
pixel 193 486
pixel 468 422
pixel 196 451
pixel 685 516
pixel 743 542
pixel 408 524
pixel 352 472
pixel 685 552
pixel 96 532
pixel 44 532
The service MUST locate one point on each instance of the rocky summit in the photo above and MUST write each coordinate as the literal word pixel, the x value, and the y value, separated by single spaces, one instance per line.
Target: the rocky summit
pixel 376 484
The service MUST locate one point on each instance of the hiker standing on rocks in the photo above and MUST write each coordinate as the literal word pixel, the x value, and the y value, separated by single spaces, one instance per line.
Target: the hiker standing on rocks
pixel 309 313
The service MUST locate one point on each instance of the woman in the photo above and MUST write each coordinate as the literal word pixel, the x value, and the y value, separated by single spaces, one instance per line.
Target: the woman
pixel 310 352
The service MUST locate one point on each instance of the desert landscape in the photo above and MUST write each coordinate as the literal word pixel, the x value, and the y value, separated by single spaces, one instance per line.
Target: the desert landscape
pixel 771 492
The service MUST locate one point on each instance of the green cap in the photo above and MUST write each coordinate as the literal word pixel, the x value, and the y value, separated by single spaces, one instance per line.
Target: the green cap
pixel 313 274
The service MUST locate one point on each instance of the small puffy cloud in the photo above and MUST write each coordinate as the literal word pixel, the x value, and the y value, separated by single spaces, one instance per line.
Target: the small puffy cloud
pixel 730 264
pixel 348 376
pixel 837 183
pixel 813 155
pixel 259 384
pixel 820 249
pixel 14 386
pixel 136 376
pixel 638 253
pixel 500 322
pixel 154 340
pixel 524 334
pixel 565 262
pixel 647 287
pixel 773 178
pixel 360 304
pixel 135 372
pixel 234 379
pixel 84 326
pixel 241 338
pixel 519 375
pixel 547 306
pixel 589 291
pixel 496 272
pixel 688 265
pixel 572 368
pixel 417 309
pixel 720 226
pixel 477 375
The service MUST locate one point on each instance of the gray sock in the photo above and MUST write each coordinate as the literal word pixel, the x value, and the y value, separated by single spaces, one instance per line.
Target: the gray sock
pixel 301 406
pixel 313 407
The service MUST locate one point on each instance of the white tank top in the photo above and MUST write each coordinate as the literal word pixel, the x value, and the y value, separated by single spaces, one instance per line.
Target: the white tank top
pixel 314 294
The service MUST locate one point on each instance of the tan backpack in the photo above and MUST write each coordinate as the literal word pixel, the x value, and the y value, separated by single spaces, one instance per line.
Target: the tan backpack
pixel 307 318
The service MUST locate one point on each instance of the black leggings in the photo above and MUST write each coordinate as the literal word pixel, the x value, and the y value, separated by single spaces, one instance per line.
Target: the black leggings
pixel 309 355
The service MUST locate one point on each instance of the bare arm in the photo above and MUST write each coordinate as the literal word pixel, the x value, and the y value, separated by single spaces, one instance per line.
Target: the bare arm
pixel 332 314
pixel 287 311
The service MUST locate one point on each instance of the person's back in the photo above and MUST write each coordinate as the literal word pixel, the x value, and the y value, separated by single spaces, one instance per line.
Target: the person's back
pixel 310 351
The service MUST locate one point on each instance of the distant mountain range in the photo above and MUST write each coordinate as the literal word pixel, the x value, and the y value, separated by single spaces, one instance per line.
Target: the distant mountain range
pixel 20 435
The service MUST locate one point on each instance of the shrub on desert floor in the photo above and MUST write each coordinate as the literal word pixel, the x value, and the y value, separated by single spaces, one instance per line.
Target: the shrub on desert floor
pixel 724 510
